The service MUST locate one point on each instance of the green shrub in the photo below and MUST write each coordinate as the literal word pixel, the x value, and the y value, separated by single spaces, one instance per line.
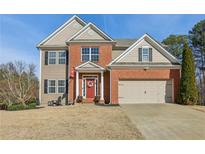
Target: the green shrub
pixel 31 105
pixel 33 100
pixel 15 107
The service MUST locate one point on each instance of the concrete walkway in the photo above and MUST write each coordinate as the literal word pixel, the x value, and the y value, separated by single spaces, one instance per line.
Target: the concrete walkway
pixel 166 121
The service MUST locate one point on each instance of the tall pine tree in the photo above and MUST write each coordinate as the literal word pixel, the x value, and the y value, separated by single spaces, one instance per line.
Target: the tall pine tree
pixel 188 90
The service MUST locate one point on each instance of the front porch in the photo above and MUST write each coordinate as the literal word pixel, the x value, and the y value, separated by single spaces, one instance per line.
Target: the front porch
pixel 89 82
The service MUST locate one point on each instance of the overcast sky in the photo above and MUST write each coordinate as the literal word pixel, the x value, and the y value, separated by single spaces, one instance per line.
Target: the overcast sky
pixel 19 34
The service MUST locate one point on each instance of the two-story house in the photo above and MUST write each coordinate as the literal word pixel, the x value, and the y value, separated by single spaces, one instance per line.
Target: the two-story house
pixel 79 59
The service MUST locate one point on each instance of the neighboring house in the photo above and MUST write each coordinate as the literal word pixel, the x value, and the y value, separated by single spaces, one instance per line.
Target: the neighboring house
pixel 79 59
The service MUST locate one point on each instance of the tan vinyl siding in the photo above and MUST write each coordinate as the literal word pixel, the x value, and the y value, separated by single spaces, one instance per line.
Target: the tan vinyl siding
pixel 51 72
pixel 116 53
pixel 132 56
pixel 89 34
pixel 65 34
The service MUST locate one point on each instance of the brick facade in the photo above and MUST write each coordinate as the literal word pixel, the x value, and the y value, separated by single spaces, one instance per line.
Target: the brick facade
pixel 105 57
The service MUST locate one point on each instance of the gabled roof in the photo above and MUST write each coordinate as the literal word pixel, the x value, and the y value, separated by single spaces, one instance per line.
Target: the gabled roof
pixel 61 28
pixel 93 27
pixel 89 66
pixel 165 52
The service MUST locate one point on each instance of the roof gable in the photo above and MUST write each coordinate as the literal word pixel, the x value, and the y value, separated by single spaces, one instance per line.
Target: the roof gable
pixel 64 32
pixel 90 33
pixel 154 43
pixel 132 56
pixel 89 66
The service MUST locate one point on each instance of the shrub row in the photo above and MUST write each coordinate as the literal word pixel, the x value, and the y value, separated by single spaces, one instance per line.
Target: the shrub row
pixel 16 107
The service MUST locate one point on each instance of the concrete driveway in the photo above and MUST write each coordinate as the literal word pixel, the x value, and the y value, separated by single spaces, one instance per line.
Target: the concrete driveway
pixel 167 121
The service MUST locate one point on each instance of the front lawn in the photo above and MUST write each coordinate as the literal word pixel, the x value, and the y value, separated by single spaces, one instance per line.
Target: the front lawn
pixel 82 121
pixel 199 108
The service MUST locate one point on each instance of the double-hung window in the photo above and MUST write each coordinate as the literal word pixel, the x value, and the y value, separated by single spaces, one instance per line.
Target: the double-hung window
pixel 55 57
pixel 85 54
pixel 62 57
pixel 56 86
pixel 52 57
pixel 52 86
pixel 145 54
pixel 94 54
pixel 61 86
pixel 90 54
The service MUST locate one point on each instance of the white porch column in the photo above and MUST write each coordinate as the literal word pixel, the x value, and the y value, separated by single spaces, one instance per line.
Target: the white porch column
pixel 102 87
pixel 77 84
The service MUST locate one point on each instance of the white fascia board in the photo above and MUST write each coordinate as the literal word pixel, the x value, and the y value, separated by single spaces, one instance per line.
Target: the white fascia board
pixel 103 33
pixel 83 64
pixel 146 66
pixel 69 21
pixel 89 62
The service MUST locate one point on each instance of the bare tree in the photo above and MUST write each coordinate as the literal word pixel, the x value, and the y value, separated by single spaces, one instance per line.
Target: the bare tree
pixel 18 82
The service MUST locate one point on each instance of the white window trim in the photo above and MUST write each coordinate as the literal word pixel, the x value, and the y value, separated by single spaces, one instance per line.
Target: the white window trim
pixel 56 86
pixel 89 54
pixel 84 88
pixel 51 86
pixel 52 58
pixel 57 58
pixel 82 54
pixel 94 54
pixel 84 78
pixel 145 47
pixel 61 86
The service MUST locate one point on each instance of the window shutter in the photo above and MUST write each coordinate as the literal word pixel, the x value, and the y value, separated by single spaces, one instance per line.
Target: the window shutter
pixel 46 58
pixel 150 54
pixel 45 86
pixel 140 54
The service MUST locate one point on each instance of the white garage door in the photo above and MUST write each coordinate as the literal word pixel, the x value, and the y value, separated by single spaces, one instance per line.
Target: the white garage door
pixel 145 91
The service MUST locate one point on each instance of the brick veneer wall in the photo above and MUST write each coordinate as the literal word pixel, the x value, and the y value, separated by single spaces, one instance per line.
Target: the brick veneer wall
pixel 105 56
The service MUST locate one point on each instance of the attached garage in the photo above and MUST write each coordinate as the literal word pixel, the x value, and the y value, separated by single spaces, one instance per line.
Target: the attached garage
pixel 145 91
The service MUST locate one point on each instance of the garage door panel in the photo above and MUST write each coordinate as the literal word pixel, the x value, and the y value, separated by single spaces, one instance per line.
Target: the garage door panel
pixel 145 91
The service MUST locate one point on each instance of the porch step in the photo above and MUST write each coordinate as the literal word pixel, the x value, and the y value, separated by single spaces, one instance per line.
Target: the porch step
pixel 88 100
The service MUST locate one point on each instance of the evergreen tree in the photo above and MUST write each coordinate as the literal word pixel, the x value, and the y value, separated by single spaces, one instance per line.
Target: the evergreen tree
pixel 188 90
pixel 197 38
pixel 175 44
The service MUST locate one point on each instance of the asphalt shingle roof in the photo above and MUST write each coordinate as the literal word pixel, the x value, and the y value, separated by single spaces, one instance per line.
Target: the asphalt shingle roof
pixel 124 42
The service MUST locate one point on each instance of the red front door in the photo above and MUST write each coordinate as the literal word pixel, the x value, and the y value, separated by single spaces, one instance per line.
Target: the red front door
pixel 90 88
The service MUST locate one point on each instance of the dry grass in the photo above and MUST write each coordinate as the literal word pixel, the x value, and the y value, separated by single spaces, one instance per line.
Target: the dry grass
pixel 199 108
pixel 85 121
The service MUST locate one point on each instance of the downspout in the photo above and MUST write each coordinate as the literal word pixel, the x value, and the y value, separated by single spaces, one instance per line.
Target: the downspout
pixel 109 69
